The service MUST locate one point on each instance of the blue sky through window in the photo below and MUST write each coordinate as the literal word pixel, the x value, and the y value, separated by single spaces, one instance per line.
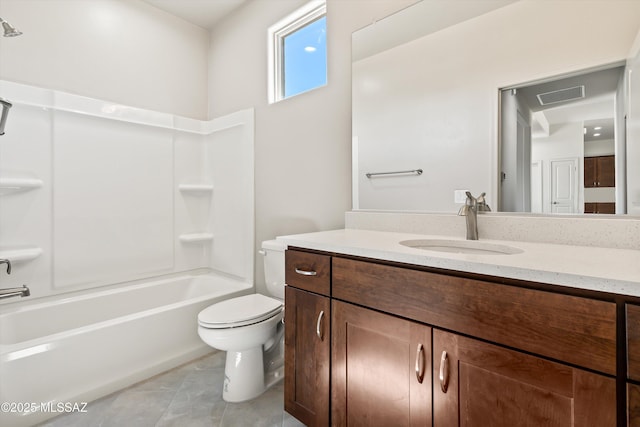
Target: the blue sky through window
pixel 305 58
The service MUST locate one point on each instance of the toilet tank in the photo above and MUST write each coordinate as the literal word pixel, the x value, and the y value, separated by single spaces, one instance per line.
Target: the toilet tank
pixel 273 254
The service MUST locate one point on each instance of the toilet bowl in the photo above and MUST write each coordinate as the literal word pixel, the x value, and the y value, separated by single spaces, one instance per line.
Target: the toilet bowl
pixel 250 329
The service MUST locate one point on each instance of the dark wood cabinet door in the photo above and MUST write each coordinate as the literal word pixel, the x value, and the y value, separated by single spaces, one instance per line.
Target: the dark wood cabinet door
pixel 307 356
pixel 606 171
pixel 600 208
pixel 590 166
pixel 599 171
pixel 633 405
pixel 633 341
pixel 381 373
pixel 480 384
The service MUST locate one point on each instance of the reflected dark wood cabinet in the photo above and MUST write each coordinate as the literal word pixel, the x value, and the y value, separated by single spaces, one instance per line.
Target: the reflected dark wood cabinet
pixel 419 346
pixel 600 208
pixel 599 171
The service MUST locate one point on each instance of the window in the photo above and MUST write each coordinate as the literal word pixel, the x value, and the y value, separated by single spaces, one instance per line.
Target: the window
pixel 298 52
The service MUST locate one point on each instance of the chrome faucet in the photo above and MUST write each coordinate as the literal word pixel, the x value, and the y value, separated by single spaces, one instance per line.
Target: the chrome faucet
pixel 482 203
pixel 470 210
pixel 13 292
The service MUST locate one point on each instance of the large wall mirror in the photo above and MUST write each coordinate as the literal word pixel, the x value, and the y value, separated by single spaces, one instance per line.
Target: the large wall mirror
pixel 529 101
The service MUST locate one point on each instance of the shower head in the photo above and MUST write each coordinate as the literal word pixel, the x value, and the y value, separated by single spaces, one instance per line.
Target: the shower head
pixel 5 112
pixel 9 30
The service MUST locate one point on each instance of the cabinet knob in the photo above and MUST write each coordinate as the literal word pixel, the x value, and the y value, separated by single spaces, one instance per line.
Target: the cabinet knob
pixel 319 325
pixel 420 363
pixel 444 372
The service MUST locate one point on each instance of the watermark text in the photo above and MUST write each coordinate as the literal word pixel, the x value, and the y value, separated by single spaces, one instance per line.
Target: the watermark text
pixel 49 407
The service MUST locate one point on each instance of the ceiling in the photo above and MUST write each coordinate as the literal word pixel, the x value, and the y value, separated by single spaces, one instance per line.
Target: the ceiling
pixel 203 13
pixel 418 20
pixel 595 109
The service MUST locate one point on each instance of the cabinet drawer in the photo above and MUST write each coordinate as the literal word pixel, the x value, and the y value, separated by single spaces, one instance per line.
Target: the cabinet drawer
pixel 311 272
pixel 633 341
pixel 575 330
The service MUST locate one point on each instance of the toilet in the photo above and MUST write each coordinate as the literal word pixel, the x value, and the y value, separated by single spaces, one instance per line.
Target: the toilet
pixel 250 329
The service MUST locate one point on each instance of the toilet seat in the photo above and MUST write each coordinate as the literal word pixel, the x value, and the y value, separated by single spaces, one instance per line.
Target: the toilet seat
pixel 240 311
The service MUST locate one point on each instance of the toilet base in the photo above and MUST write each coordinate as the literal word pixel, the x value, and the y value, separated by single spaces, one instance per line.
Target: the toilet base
pixel 243 375
pixel 249 373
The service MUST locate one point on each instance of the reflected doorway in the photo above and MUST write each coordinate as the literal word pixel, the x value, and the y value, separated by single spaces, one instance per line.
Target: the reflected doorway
pixel 546 123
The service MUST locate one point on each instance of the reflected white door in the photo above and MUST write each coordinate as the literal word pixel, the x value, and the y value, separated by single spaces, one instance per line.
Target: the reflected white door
pixel 564 186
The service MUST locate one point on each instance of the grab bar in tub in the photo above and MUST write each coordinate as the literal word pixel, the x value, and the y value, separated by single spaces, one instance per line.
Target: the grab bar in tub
pixel 15 292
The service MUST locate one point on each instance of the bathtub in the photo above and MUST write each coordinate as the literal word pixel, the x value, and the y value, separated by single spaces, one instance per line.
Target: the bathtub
pixel 76 349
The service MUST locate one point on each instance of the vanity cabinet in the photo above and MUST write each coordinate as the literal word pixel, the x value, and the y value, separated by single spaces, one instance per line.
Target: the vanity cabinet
pixel 633 364
pixel 381 369
pixel 481 350
pixel 633 405
pixel 307 337
pixel 480 384
pixel 599 171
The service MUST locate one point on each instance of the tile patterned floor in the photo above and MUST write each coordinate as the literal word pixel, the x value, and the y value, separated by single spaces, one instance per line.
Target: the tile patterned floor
pixel 187 396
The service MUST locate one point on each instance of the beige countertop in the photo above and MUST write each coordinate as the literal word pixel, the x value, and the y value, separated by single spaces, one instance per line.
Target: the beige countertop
pixel 584 267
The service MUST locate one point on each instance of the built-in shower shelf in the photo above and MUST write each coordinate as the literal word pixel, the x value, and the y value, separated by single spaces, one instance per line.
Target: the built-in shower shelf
pixel 196 189
pixel 196 237
pixel 23 254
pixel 19 184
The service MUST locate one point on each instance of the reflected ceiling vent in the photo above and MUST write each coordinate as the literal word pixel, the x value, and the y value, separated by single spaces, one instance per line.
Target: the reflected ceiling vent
pixel 561 95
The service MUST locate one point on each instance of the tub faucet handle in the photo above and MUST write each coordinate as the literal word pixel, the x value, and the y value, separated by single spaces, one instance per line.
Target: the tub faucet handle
pixel 6 261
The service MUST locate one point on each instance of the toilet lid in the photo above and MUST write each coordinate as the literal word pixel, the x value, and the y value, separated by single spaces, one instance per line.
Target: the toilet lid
pixel 240 311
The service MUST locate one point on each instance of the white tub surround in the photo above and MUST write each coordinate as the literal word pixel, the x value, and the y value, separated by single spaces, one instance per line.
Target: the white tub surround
pixel 84 347
pixel 592 268
pixel 95 193
pixel 106 213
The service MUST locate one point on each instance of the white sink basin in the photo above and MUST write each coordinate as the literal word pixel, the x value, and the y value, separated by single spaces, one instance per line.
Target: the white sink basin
pixel 461 246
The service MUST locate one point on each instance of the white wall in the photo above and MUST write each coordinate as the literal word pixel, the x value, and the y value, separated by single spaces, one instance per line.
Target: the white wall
pixel 515 157
pixel 599 148
pixel 565 141
pixel 449 81
pixel 303 144
pixel 123 51
pixel 633 131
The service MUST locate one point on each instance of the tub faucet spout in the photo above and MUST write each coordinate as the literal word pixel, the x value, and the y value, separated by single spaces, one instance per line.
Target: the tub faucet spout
pixel 14 292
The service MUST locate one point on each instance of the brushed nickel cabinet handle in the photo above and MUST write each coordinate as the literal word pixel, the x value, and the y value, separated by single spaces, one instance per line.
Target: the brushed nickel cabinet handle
pixel 319 327
pixel 420 363
pixel 306 272
pixel 444 372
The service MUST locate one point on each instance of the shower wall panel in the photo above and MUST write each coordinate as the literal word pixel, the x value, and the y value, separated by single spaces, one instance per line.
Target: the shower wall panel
pixel 113 200
pixel 25 210
pixel 231 209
